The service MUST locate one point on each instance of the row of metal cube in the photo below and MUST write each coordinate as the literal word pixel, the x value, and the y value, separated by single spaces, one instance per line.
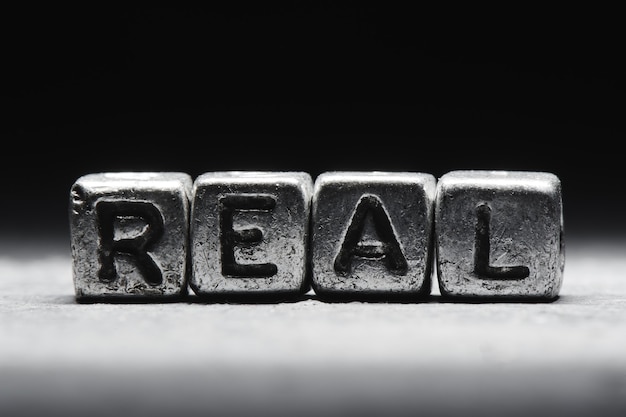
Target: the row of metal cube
pixel 346 234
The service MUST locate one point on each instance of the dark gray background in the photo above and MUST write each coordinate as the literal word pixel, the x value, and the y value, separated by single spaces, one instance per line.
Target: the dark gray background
pixel 310 86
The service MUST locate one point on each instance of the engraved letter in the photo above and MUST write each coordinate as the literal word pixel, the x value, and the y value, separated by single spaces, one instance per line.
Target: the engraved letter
pixel 107 212
pixel 245 237
pixel 482 248
pixel 386 249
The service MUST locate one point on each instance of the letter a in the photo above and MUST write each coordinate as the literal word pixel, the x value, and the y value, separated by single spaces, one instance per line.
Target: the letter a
pixel 386 249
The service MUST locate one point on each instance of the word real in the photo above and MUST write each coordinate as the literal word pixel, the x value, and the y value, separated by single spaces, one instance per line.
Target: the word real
pixel 345 234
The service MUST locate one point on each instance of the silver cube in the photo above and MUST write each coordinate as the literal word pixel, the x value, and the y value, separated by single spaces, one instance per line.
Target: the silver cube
pixel 129 234
pixel 372 234
pixel 499 234
pixel 250 233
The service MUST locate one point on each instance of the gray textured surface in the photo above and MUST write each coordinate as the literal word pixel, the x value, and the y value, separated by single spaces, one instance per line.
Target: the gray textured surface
pixel 309 357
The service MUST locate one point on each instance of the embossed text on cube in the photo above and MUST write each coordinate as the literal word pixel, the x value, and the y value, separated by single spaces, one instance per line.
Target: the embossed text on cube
pixel 372 233
pixel 129 234
pixel 499 234
pixel 250 233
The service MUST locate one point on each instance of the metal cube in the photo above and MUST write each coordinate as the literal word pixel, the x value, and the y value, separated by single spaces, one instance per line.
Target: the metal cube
pixel 372 234
pixel 129 234
pixel 250 233
pixel 499 234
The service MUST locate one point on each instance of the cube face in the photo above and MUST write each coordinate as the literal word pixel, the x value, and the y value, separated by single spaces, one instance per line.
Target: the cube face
pixel 129 234
pixel 250 233
pixel 372 233
pixel 499 234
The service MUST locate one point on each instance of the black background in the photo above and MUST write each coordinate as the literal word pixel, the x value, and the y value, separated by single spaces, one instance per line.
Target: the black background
pixel 313 87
